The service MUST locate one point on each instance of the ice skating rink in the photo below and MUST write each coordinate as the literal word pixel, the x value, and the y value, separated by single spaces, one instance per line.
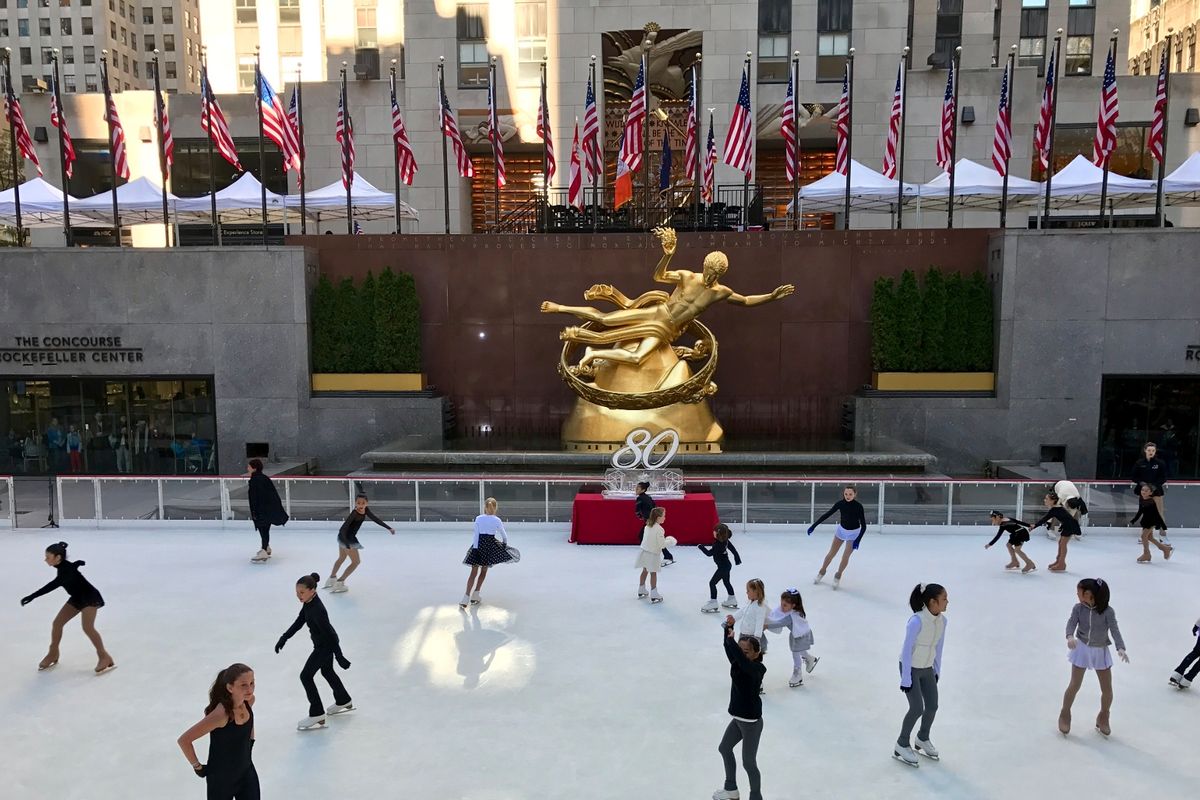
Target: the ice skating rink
pixel 563 685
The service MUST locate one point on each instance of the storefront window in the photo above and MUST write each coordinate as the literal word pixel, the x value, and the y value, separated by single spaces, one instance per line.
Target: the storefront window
pixel 102 426
pixel 1134 411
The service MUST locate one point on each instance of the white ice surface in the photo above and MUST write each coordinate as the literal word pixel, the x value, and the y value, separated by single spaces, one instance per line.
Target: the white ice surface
pixel 563 685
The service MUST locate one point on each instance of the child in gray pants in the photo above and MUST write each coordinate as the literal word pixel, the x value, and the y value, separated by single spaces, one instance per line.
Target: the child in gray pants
pixel 920 668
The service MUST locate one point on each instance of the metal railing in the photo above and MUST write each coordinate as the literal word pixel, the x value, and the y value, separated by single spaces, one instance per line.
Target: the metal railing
pixel 8 503
pixel 764 503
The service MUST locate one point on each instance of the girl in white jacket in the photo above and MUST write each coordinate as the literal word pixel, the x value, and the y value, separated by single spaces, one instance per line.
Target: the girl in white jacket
pixel 752 619
pixel 649 559
pixel 790 616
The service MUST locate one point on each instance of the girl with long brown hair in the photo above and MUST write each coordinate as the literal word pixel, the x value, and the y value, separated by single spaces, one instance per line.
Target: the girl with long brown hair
pixel 229 725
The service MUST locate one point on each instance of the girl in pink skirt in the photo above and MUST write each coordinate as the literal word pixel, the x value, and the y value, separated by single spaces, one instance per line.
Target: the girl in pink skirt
pixel 1091 623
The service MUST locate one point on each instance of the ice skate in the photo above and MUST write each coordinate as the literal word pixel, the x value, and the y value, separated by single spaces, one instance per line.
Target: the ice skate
pixel 330 582
pixel 730 602
pixel 666 562
pixel 1102 724
pixel 1185 683
pixel 309 723
pixel 810 663
pixel 1167 552
pixel 339 587
pixel 105 665
pixel 336 709
pixel 260 557
pixel 797 678
pixel 655 597
pixel 905 755
pixel 1176 680
pixel 710 607
pixel 726 794
pixel 642 593
pixel 1064 722
pixel 817 579
pixel 268 552
pixel 46 664
pixel 927 749
pixel 1029 569
pixel 466 601
pixel 1013 565
pixel 1144 559
pixel 1057 567
pixel 837 581
pixel 475 598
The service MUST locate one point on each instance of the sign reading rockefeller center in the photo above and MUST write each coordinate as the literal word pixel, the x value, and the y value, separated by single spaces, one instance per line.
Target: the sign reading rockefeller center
pixel 52 350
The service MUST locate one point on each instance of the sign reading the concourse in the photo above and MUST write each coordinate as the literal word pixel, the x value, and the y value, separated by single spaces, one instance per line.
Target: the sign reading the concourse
pixel 37 351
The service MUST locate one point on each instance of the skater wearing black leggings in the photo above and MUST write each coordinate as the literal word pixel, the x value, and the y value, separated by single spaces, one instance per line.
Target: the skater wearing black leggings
pixel 1182 677
pixel 229 724
pixel 719 553
pixel 326 648
pixel 82 599
pixel 746 673
pixel 266 509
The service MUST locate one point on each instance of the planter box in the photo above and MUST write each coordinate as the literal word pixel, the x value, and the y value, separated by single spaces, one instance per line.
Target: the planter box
pixel 934 381
pixel 368 382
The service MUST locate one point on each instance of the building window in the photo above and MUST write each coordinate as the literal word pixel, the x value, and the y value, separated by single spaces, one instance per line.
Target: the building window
pixel 3 27
pixel 246 73
pixel 1081 26
pixel 949 32
pixel 125 63
pixel 168 15
pixel 247 14
pixel 150 44
pixel 112 31
pixel 22 27
pixel 1031 49
pixel 124 37
pixel 64 25
pixel 1131 157
pixel 289 12
pixel 148 16
pixel 44 26
pixel 172 72
pixel 472 45
pixel 69 83
pixel 169 42
pixel 367 35
pixel 531 40
pixel 86 25
pixel 89 83
pixel 1192 52
pixel 68 55
pixel 133 41
pixel 136 68
pixel 774 40
pixel 47 55
pixel 89 54
pixel 834 19
pixel 190 72
pixel 26 56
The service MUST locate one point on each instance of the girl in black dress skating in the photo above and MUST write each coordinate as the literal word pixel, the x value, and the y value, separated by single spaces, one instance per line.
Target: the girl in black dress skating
pixel 229 725
pixel 82 599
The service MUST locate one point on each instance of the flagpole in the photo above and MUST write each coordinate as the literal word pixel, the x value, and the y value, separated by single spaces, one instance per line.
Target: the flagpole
pixel 1112 43
pixel 849 132
pixel 159 107
pixel 62 161
pixel 796 137
pixel 1055 62
pixel 262 158
pixel 645 136
pixel 597 179
pixel 112 152
pixel 6 57
pixel 1160 215
pixel 753 122
pixel 696 199
pixel 445 168
pixel 347 132
pixel 900 145
pixel 545 215
pixel 395 157
pixel 954 139
pixel 212 164
pixel 1012 60
pixel 300 133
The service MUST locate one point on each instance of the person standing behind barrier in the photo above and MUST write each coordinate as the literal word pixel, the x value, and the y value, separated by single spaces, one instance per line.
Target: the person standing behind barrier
pixel 75 449
pixel 643 504
pixel 1152 471
pixel 229 725
pixel 266 509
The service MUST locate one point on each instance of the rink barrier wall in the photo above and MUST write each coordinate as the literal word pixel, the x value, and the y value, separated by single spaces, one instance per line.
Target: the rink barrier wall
pixel 760 503
pixel 8 503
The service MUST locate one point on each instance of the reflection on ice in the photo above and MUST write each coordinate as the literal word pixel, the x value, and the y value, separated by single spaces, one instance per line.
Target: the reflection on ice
pixel 453 648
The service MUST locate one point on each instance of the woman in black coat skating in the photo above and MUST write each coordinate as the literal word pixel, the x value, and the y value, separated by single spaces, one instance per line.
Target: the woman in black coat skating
pixel 266 509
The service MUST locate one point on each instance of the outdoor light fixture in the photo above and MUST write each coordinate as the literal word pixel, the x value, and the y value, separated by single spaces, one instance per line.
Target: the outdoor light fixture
pixel 968 115
pixel 1191 117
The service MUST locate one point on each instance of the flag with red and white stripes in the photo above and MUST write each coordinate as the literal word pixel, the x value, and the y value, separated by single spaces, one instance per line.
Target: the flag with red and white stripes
pixel 710 161
pixel 841 163
pixel 630 153
pixel 16 121
pixel 575 186
pixel 343 134
pixel 275 125
pixel 449 126
pixel 59 120
pixel 294 117
pixel 405 157
pixel 547 135
pixel 120 158
pixel 213 122
pixel 1041 134
pixel 1002 142
pixel 739 142
pixel 788 129
pixel 1158 123
pixel 168 141
pixel 1106 120
pixel 493 134
pixel 944 154
pixel 692 134
pixel 892 145
pixel 592 150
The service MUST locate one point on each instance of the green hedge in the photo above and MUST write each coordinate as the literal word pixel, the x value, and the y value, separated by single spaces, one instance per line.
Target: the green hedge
pixel 372 327
pixel 943 324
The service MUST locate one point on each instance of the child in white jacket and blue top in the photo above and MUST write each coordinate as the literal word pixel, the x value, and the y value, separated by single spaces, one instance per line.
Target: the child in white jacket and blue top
pixel 920 668
pixel 790 616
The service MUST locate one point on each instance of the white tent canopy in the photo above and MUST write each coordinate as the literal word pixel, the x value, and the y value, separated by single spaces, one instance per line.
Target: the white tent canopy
pixel 978 186
pixel 41 204
pixel 239 201
pixel 1078 184
pixel 368 202
pixel 138 201
pixel 869 191
pixel 1183 185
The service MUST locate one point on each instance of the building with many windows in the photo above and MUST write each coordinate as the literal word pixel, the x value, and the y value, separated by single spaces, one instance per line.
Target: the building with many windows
pixel 82 29
pixel 1150 22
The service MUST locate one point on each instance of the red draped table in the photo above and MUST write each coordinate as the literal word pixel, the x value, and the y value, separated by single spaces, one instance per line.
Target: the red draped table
pixel 596 520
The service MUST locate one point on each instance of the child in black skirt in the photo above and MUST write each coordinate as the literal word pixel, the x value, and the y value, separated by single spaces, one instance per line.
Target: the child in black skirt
pixel 488 548
pixel 1018 535
pixel 82 599
pixel 719 553
pixel 1152 520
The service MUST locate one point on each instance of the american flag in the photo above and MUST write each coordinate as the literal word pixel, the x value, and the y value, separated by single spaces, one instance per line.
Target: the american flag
pixel 493 133
pixel 16 121
pixel 788 129
pixel 591 135
pixel 118 132
pixel 449 128
pixel 739 142
pixel 276 126
pixel 631 145
pixel 841 163
pixel 944 154
pixel 343 134
pixel 1041 135
pixel 168 141
pixel 710 160
pixel 692 135
pixel 575 187
pixel 1002 143
pixel 294 117
pixel 547 135
pixel 358 231
pixel 405 157
pixel 1159 122
pixel 1106 121
pixel 58 120
pixel 892 145
pixel 212 122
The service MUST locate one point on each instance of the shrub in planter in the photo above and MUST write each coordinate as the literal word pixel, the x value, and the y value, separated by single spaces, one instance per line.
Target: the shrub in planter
pixel 885 342
pixel 908 324
pixel 933 322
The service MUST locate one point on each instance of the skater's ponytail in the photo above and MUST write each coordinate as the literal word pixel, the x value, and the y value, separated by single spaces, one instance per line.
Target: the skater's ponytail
pixel 219 694
pixel 923 594
pixel 1101 594
pixel 309 581
pixel 58 549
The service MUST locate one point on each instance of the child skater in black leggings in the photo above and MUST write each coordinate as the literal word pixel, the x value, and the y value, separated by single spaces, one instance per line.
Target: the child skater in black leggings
pixel 719 553
pixel 82 599
pixel 745 706
pixel 326 648
pixel 229 724
pixel 1182 677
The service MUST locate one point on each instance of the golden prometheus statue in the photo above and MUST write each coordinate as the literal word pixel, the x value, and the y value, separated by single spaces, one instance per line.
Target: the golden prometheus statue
pixel 631 374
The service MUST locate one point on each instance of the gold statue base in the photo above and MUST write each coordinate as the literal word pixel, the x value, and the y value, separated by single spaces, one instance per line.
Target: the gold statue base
pixel 597 429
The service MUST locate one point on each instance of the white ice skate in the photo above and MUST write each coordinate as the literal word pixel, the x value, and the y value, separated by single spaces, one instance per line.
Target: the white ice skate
pixel 905 755
pixel 311 723
pixel 339 587
pixel 730 602
pixel 336 709
pixel 797 678
pixel 927 749
pixel 260 557
pixel 710 607
pixel 810 662
pixel 330 582
pixel 466 601
pixel 726 794
pixel 818 578
pixel 642 593
pixel 836 582
pixel 1179 682
pixel 666 562
pixel 655 597
pixel 475 598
